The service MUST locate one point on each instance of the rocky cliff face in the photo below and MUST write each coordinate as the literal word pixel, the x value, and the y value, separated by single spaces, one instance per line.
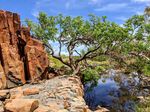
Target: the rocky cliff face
pixel 22 57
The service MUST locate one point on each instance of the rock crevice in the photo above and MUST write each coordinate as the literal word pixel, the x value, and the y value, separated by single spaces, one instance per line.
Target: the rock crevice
pixel 22 57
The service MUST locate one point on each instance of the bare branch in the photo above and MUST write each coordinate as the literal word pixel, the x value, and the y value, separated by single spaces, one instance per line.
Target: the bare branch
pixel 78 53
pixel 49 47
pixel 60 47
pixel 140 55
pixel 57 57
pixel 86 54
pixel 70 48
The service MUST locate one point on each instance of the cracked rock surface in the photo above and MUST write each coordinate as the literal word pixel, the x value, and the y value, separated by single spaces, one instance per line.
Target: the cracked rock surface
pixel 60 94
pixel 22 57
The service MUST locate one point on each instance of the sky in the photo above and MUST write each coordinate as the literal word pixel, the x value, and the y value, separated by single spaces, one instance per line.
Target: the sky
pixel 115 10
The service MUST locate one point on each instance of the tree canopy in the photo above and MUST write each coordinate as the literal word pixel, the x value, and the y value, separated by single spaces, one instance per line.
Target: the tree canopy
pixel 92 37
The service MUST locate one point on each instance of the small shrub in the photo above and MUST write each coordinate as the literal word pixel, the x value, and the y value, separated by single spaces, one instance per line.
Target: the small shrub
pixel 146 70
pixel 90 75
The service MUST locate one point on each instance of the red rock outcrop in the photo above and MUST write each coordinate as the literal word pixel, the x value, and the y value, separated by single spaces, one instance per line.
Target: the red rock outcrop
pixel 36 58
pixel 22 57
pixel 13 67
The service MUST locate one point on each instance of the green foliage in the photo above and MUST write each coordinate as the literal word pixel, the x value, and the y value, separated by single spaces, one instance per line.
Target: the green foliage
pixel 90 75
pixel 97 38
pixel 144 106
pixel 100 69
pixel 101 58
pixel 55 63
pixel 93 31
pixel 137 44
pixel 146 69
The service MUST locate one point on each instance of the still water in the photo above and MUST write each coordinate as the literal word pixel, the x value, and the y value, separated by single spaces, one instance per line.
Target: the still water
pixel 116 91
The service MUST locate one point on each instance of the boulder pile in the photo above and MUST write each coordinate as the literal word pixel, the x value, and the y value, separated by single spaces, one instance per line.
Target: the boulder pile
pixel 60 94
pixel 22 57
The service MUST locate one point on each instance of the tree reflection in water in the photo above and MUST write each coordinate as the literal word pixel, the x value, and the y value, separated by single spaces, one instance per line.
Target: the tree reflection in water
pixel 115 91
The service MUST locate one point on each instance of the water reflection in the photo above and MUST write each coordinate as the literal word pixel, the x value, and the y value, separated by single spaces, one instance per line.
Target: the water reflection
pixel 115 91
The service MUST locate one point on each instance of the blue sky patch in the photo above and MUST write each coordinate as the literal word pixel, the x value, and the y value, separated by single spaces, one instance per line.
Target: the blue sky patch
pixel 115 10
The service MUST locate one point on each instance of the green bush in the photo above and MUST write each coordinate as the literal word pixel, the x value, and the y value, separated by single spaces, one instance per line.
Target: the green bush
pixel 144 106
pixel 146 70
pixel 55 63
pixel 90 75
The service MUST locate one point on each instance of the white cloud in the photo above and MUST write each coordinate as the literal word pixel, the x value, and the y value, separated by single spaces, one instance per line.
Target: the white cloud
pixel 38 5
pixel 122 18
pixel 35 13
pixel 112 7
pixel 41 3
pixel 141 0
pixel 139 12
pixel 121 25
pixel 67 5
pixel 147 2
pixel 94 1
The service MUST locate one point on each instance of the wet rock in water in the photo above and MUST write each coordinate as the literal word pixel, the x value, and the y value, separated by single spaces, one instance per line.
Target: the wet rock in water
pixel 21 105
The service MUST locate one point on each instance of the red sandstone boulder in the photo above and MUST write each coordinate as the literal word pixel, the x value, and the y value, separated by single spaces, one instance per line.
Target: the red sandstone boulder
pixel 31 91
pixel 9 25
pixel 3 20
pixel 2 78
pixel 42 109
pixel 25 34
pixel 4 33
pixel 36 59
pixel 21 105
pixel 13 67
pixel 16 93
pixel 4 94
pixel 16 22
pixel 14 25
pixel 22 57
pixel 36 43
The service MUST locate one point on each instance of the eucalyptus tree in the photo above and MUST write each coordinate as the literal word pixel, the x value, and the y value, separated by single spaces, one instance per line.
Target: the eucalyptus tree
pixel 83 38
pixel 138 45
